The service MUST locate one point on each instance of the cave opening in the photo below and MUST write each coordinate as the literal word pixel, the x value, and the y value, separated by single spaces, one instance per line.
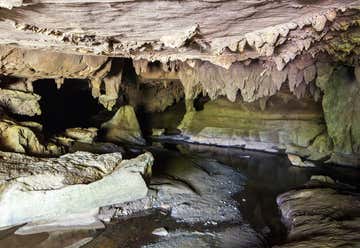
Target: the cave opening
pixel 200 101
pixel 70 106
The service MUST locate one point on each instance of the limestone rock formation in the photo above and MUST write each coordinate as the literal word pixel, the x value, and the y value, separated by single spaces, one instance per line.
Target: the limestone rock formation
pixel 118 33
pixel 50 189
pixel 282 123
pixel 179 51
pixel 34 64
pixel 21 138
pixel 19 102
pixel 85 135
pixel 321 217
pixel 341 104
pixel 123 127
pixel 192 190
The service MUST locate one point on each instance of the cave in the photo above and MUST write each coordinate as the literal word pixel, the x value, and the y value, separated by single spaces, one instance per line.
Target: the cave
pixel 179 124
pixel 70 106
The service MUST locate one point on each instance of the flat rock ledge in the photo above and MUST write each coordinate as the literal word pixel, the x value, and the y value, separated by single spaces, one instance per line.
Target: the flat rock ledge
pixel 38 189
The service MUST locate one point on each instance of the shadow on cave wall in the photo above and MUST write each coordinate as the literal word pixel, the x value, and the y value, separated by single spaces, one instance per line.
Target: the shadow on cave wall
pixel 70 106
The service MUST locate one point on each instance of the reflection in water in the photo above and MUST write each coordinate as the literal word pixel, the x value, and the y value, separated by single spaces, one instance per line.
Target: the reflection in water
pixel 268 175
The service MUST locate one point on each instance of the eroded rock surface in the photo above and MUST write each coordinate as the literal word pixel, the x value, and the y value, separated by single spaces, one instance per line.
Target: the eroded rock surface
pixel 321 217
pixel 182 58
pixel 84 135
pixel 19 102
pixel 241 237
pixel 191 190
pixel 49 189
pixel 24 138
pixel 123 127
pixel 246 30
pixel 271 125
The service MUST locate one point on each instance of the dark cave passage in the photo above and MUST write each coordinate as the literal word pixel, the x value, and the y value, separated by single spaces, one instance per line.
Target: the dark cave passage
pixel 70 106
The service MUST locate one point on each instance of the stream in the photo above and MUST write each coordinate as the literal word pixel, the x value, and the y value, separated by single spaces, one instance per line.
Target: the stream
pixel 264 176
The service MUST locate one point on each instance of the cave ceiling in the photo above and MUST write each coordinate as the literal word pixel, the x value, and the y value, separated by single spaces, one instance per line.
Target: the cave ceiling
pixel 217 31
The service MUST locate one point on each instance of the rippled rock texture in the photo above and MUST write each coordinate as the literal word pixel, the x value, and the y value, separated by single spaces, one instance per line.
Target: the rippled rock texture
pixel 321 217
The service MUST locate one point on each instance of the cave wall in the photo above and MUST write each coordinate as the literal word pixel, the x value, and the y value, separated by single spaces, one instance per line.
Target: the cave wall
pixel 309 108
pixel 273 81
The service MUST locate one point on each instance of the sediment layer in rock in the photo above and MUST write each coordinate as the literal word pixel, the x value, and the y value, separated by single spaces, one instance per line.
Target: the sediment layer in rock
pixel 321 217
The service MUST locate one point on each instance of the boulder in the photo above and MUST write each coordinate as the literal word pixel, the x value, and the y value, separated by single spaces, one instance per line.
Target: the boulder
pixel 191 190
pixel 85 135
pixel 297 161
pixel 123 127
pixel 34 189
pixel 320 217
pixel 15 137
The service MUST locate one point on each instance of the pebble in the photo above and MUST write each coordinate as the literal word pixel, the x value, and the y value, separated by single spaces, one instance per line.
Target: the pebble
pixel 161 231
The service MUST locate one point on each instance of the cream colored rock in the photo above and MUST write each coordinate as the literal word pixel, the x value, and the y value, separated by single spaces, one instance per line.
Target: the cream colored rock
pixel 85 135
pixel 161 231
pixel 167 30
pixel 9 4
pixel 69 169
pixel 49 194
pixel 322 178
pixel 18 102
pixel 123 127
pixel 17 138
pixel 297 161
pixel 71 222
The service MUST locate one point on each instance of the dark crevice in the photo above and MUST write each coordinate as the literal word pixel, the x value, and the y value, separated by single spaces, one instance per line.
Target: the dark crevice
pixel 70 106
pixel 200 101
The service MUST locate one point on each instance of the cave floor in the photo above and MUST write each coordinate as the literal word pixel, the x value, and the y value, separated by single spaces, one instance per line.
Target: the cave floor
pixel 262 176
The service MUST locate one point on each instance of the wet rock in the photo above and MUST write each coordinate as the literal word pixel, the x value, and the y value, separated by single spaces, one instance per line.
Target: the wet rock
pixel 161 231
pixel 84 135
pixel 297 161
pixel 123 127
pixel 285 121
pixel 341 111
pixel 198 191
pixel 49 189
pixel 321 217
pixel 239 236
pixel 158 132
pixel 71 222
pixel 80 243
pixel 95 147
pixel 192 191
pixel 324 179
pixel 56 239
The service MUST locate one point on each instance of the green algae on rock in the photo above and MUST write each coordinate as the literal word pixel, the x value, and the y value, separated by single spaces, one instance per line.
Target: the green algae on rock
pixel 123 127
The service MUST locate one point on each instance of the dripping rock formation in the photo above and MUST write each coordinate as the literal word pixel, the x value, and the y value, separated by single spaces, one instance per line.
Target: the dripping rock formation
pixel 257 79
pixel 84 84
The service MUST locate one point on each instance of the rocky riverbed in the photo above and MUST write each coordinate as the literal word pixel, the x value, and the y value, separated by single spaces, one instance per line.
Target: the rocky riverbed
pixel 203 196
